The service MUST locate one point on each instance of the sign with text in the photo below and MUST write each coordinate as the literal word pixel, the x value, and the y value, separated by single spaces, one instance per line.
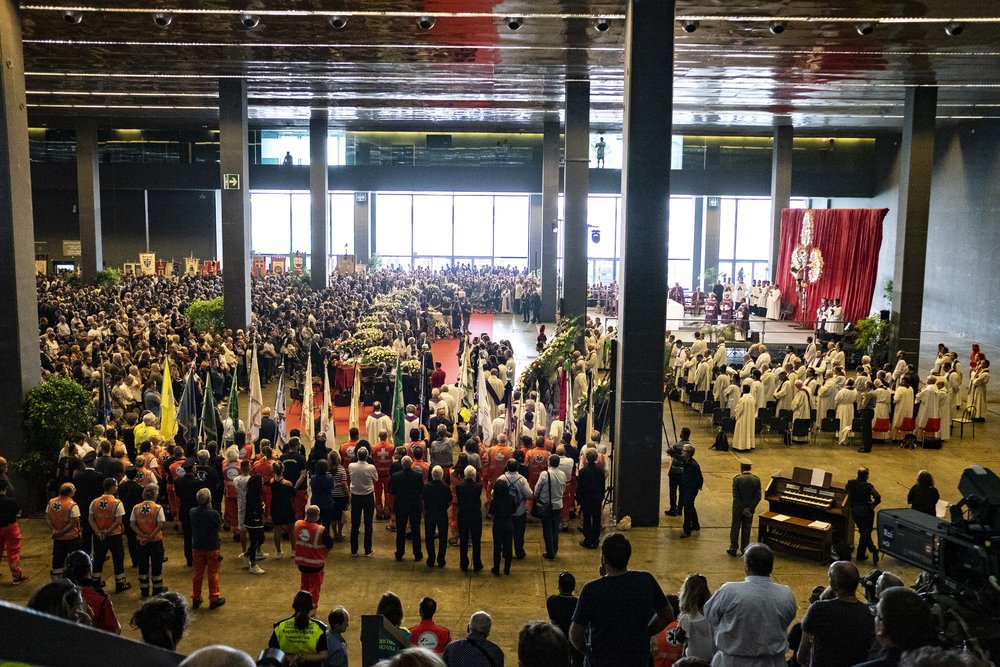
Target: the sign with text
pixel 72 249
pixel 230 181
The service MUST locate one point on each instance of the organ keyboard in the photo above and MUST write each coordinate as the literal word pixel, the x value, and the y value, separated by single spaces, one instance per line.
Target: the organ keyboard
pixel 809 495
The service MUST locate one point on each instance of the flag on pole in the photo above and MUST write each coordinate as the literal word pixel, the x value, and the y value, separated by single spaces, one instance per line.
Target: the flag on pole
pixel 209 413
pixel 485 422
pixel 569 424
pixel 256 405
pixel 104 400
pixel 465 388
pixel 279 413
pixel 187 413
pixel 398 410
pixel 168 410
pixel 590 407
pixel 233 409
pixel 326 422
pixel 354 419
pixel 308 416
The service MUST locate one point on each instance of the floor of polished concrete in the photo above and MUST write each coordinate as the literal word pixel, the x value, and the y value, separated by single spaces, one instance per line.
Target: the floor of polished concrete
pixel 254 603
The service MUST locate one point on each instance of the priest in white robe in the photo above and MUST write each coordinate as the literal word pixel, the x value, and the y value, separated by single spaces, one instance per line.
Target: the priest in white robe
pixel 810 352
pixel 784 394
pixel 928 403
pixel 801 408
pixel 732 397
pixel 902 399
pixel 825 396
pixel 977 393
pixel 721 355
pixel 377 421
pixel 774 303
pixel 900 369
pixel 944 404
pixel 883 403
pixel 719 387
pixel 845 401
pixel 763 359
pixel 746 416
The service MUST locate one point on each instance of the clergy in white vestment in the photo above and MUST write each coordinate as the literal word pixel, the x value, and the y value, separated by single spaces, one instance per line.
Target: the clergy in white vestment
pixel 953 384
pixel 703 375
pixel 900 369
pixel 763 359
pixel 494 393
pixel 944 404
pixel 436 401
pixel 826 393
pixel 500 423
pixel 746 416
pixel 721 355
pixel 377 421
pixel 541 414
pixel 902 399
pixel 757 390
pixel 774 303
pixel 845 401
pixel 801 408
pixel 748 367
pixel 449 398
pixel 810 352
pixel 699 346
pixel 719 387
pixel 835 320
pixel 927 400
pixel 768 381
pixel 977 393
pixel 732 397
pixel 837 358
pixel 883 402
pixel 784 394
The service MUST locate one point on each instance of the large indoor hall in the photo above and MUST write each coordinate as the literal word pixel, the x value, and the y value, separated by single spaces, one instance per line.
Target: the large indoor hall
pixel 420 332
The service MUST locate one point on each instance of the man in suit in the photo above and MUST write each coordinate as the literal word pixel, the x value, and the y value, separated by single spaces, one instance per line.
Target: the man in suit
pixel 268 429
pixel 406 487
pixel 746 496
pixel 691 484
pixel 590 493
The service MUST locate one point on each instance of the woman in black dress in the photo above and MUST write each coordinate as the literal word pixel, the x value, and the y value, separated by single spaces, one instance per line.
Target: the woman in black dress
pixel 923 495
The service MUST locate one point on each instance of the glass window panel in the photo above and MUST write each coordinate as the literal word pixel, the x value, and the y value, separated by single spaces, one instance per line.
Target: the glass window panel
pixel 798 202
pixel 747 268
pixel 393 261
pixel 342 223
pixel 727 229
pixel 601 217
pixel 760 271
pixel 474 225
pixel 432 224
pixel 512 218
pixel 681 238
pixel 727 268
pixel 479 263
pixel 753 229
pixel 269 223
pixel 422 263
pixel 679 271
pixel 603 271
pixel 393 225
pixel 301 223
pixel 274 144
pixel 439 263
pixel 520 263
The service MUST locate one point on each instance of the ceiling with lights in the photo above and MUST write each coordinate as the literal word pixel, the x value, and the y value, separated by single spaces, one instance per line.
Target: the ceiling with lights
pixel 839 65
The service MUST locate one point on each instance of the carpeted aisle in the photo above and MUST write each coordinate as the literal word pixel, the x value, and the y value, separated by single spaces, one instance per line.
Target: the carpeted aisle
pixel 446 350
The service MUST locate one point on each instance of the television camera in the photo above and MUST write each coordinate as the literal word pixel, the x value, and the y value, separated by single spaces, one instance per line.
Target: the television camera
pixel 960 559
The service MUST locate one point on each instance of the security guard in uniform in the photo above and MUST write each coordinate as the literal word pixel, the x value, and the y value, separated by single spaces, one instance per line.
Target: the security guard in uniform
pixel 300 636
pixel 746 497
pixel 863 499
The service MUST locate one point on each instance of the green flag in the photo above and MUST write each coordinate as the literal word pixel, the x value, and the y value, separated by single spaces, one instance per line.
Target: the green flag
pixel 398 410
pixel 209 413
pixel 234 406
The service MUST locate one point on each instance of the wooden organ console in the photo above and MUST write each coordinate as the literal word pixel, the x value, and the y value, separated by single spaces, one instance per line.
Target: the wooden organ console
pixel 808 516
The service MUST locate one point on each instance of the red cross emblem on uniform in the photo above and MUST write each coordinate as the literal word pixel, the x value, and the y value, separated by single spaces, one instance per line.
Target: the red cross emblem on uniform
pixel 103 504
pixel 145 509
pixel 56 506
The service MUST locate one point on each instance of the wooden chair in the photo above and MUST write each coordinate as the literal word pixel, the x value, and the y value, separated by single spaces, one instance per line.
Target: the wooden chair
pixel 968 417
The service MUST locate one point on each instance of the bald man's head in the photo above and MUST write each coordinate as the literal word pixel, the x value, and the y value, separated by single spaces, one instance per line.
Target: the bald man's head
pixel 218 656
pixel 844 577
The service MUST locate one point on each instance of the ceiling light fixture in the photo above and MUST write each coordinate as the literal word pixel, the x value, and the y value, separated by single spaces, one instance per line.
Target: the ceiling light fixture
pixel 426 22
pixel 954 29
pixel 778 27
pixel 602 24
pixel 514 22
pixel 250 21
pixel 338 22
pixel 690 26
pixel 865 28
pixel 162 20
pixel 73 18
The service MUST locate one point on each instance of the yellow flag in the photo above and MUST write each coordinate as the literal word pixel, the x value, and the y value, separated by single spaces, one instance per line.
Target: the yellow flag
pixel 168 410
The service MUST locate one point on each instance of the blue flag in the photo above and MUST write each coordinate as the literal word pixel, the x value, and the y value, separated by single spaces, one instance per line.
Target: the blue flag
pixel 104 402
pixel 187 410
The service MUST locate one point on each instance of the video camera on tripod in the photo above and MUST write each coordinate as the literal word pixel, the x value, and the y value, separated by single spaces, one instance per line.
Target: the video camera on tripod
pixel 961 558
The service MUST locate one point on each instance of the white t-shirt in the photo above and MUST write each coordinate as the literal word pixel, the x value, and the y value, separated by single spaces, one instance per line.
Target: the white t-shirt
pixel 363 478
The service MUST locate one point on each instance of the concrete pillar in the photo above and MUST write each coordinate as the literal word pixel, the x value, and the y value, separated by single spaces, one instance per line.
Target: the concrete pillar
pixel 916 167
pixel 550 215
pixel 235 183
pixel 319 198
pixel 362 227
pixel 781 186
pixel 218 223
pixel 712 230
pixel 535 233
pixel 649 57
pixel 19 364
pixel 576 187
pixel 88 198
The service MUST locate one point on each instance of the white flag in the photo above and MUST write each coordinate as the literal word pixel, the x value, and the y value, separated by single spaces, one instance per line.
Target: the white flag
pixel 485 422
pixel 326 422
pixel 354 420
pixel 256 404
pixel 279 413
pixel 308 426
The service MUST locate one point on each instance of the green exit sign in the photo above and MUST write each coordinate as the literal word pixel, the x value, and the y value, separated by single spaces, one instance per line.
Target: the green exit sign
pixel 230 181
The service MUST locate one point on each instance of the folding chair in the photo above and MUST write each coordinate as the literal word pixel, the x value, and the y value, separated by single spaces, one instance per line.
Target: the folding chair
pixel 801 428
pixel 857 425
pixel 906 427
pixel 785 414
pixel 778 426
pixel 729 425
pixel 968 417
pixel 881 428
pixel 718 415
pixel 830 425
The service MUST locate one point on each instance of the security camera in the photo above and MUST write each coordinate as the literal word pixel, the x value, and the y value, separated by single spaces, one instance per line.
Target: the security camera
pixel 338 22
pixel 595 235
pixel 865 28
pixel 250 21
pixel 162 20
pixel 73 18
pixel 515 22
pixel 778 27
pixel 426 22
pixel 602 25
pixel 954 29
pixel 690 26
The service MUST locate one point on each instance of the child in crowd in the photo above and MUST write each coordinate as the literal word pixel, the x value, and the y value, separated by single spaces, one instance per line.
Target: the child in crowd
pixel 696 631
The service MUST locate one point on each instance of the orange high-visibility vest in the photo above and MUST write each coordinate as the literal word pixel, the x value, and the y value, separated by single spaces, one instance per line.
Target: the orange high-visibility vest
pixel 103 510
pixel 146 514
pixel 58 511
pixel 309 548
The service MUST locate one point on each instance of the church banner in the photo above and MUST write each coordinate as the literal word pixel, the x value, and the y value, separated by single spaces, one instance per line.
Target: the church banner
pixel 190 266
pixel 259 266
pixel 147 262
pixel 278 265
pixel 297 263
pixel 161 267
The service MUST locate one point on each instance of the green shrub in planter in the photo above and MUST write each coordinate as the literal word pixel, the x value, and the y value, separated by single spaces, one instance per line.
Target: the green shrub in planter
pixel 107 278
pixel 53 412
pixel 206 316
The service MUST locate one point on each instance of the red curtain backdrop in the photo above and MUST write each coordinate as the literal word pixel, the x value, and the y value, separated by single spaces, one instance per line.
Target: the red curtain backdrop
pixel 850 239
